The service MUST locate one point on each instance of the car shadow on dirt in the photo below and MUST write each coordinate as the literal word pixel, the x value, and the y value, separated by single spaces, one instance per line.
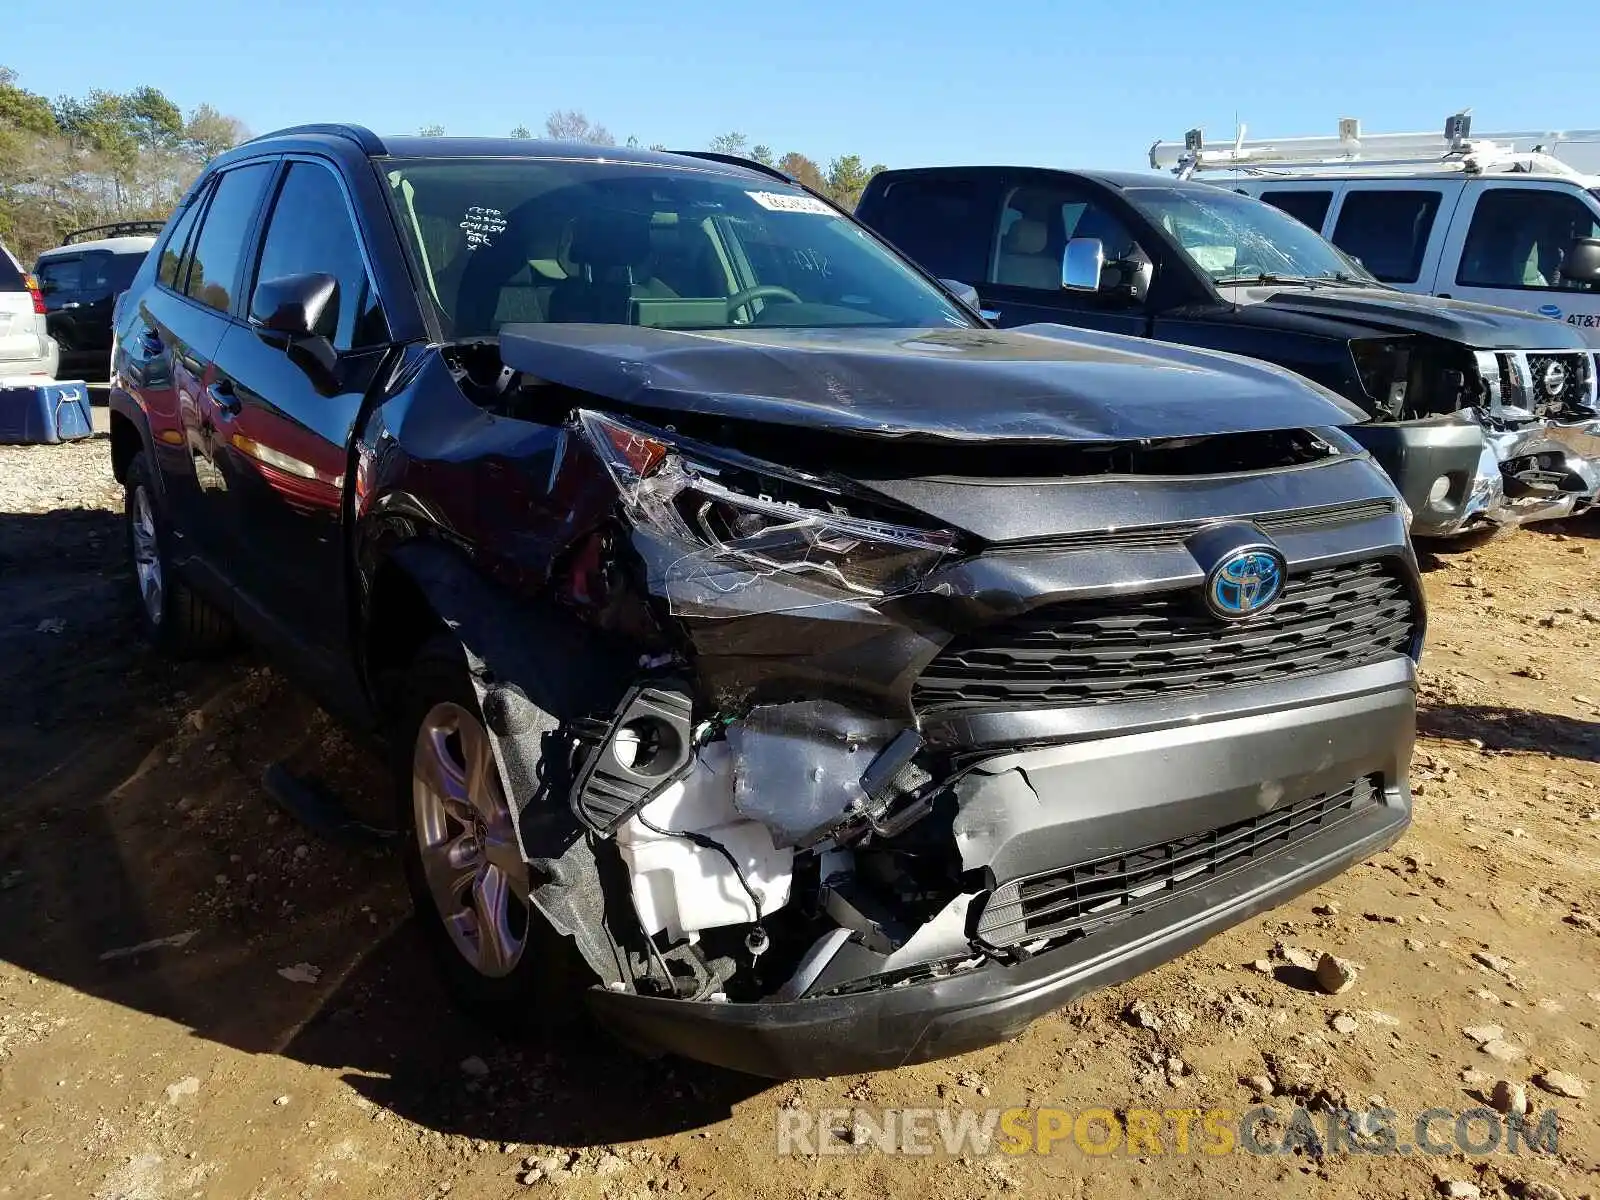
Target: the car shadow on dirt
pixel 1513 729
pixel 142 862
pixel 393 1033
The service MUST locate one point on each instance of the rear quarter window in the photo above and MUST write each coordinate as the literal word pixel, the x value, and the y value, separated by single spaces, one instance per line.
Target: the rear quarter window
pixel 11 279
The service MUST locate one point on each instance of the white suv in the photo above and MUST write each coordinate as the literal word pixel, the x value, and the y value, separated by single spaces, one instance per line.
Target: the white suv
pixel 1496 220
pixel 25 347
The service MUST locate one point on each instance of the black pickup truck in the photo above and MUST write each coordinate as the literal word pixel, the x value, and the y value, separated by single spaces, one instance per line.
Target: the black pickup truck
pixel 824 678
pixel 1482 415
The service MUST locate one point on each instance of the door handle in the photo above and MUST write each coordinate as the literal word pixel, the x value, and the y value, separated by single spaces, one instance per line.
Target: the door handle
pixel 224 397
pixel 989 314
pixel 1444 295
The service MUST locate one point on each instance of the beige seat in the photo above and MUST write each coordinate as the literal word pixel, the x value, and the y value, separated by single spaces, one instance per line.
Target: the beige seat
pixel 1024 261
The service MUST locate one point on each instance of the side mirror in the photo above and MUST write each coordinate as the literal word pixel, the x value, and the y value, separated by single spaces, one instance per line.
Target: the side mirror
pixel 964 292
pixel 1581 263
pixel 292 305
pixel 1081 264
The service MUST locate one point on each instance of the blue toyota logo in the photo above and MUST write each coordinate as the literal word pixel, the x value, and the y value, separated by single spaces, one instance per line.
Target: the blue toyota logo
pixel 1244 583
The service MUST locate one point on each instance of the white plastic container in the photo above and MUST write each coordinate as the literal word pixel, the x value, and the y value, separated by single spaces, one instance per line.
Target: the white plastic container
pixel 679 886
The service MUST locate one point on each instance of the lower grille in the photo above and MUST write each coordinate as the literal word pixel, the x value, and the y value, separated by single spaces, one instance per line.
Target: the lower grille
pixel 1081 899
pixel 1140 647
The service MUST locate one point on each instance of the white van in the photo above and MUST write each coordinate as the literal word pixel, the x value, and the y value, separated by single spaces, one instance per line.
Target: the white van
pixel 1498 220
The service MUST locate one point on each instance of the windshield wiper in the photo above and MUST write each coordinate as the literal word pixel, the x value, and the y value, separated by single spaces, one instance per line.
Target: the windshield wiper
pixel 1265 277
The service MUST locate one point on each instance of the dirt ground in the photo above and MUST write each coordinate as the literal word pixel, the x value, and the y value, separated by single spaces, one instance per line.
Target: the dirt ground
pixel 152 897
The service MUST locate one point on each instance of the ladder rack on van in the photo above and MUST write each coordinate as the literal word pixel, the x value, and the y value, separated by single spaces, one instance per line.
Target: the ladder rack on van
pixel 1455 150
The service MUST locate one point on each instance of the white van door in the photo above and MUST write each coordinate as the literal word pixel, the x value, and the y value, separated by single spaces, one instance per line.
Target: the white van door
pixel 1396 227
pixel 1506 245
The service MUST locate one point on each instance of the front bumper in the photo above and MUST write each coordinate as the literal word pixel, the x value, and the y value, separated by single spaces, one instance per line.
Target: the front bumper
pixel 1480 463
pixel 1107 793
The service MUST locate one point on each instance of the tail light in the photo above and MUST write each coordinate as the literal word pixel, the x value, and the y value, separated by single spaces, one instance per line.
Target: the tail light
pixel 32 285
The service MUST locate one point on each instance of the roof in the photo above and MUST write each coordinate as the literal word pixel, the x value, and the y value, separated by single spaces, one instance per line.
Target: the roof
pixel 1267 175
pixel 116 245
pixel 416 146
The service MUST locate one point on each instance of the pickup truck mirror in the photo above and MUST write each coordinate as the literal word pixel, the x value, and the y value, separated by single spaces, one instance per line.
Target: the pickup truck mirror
pixel 1081 264
pixel 1582 262
pixel 292 305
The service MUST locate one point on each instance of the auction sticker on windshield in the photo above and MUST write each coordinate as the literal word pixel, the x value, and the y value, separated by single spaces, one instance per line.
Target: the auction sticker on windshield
pixel 785 202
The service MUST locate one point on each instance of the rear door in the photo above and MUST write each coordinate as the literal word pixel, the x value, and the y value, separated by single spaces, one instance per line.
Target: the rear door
pixel 1396 228
pixel 21 327
pixel 1507 243
pixel 181 324
pixel 283 425
pixel 60 279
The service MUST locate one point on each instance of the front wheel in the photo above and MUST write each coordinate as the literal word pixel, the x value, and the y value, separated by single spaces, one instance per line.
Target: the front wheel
pixel 463 860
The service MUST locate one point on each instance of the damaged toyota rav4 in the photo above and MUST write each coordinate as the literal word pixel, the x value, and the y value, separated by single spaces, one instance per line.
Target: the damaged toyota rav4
pixel 775 659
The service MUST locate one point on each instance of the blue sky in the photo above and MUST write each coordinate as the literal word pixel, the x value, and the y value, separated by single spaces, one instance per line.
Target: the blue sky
pixel 1049 82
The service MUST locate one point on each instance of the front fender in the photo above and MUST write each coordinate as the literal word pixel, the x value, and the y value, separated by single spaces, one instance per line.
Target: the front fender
pixel 536 671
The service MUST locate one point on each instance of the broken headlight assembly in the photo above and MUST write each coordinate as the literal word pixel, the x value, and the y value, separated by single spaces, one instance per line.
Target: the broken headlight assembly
pixel 754 518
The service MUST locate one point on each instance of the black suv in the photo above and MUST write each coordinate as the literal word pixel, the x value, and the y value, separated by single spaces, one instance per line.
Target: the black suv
pixel 824 678
pixel 1483 416
pixel 81 280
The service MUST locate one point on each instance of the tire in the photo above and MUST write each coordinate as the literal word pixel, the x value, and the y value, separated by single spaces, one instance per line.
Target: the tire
pixel 525 976
pixel 172 616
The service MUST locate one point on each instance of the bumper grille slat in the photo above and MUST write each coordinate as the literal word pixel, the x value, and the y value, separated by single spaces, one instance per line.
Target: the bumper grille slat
pixel 1123 648
pixel 1085 897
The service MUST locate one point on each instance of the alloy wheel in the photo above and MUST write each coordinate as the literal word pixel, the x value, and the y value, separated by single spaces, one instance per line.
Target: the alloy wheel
pixel 468 842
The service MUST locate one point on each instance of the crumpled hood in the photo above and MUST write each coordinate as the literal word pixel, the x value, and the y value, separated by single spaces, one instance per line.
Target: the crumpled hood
pixel 1381 311
pixel 1039 383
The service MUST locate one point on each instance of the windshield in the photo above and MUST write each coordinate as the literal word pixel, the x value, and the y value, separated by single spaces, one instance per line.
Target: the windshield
pixel 1235 239
pixel 513 240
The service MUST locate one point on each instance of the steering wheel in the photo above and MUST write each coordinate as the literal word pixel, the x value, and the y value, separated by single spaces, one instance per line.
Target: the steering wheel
pixel 762 291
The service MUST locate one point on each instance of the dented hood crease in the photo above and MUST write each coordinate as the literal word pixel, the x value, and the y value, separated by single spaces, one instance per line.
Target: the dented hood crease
pixel 1041 383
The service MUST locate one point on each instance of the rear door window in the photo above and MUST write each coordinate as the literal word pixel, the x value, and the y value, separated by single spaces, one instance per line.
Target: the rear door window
pixel 220 249
pixel 944 224
pixel 61 276
pixel 1519 236
pixel 1388 231
pixel 1309 208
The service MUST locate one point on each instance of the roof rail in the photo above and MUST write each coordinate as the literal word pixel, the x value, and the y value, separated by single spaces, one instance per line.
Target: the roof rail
pixel 369 142
pixel 1455 149
pixel 115 229
pixel 734 160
